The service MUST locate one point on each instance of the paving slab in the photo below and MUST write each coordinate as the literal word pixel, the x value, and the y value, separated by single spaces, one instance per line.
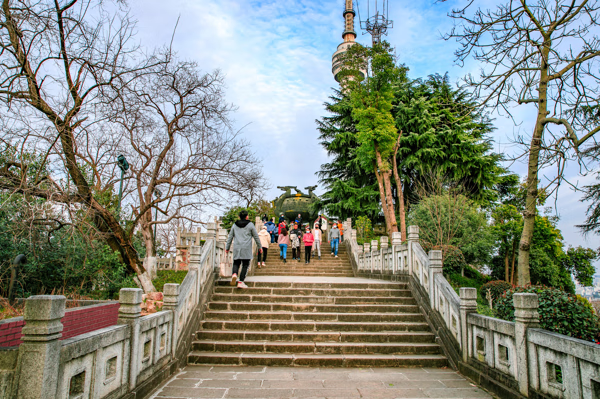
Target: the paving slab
pixel 223 382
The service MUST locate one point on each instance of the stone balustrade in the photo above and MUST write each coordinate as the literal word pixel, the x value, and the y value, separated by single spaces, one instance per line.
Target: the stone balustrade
pixel 125 360
pixel 512 359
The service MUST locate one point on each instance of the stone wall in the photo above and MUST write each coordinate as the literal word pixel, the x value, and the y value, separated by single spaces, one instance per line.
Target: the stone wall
pixel 511 359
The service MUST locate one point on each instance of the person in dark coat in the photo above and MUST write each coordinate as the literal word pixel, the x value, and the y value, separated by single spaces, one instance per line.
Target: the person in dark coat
pixel 241 235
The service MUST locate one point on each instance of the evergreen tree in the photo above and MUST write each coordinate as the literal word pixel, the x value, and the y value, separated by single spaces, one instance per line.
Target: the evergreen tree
pixel 351 191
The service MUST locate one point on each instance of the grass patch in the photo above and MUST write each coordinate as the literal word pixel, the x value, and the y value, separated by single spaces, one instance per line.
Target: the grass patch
pixel 168 277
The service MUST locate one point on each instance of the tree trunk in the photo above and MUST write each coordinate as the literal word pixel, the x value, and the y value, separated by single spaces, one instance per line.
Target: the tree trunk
pixel 506 268
pixel 512 275
pixel 401 211
pixel 385 190
pixel 530 211
pixel 390 201
pixel 382 198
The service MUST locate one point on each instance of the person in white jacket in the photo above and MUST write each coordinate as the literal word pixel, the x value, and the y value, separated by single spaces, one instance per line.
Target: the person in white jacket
pixel 265 239
pixel 318 234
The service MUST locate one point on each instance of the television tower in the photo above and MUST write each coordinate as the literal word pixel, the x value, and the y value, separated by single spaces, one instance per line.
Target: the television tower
pixel 349 37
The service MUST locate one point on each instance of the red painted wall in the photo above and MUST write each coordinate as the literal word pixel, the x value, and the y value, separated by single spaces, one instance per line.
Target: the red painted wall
pixel 76 321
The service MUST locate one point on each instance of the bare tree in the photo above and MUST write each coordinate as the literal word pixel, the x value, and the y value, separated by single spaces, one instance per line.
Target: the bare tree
pixel 57 58
pixel 183 153
pixel 543 53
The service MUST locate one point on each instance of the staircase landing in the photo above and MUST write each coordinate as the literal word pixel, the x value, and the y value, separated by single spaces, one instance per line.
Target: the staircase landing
pixel 281 382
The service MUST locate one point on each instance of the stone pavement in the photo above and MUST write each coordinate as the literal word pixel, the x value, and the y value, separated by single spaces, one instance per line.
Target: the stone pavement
pixel 295 382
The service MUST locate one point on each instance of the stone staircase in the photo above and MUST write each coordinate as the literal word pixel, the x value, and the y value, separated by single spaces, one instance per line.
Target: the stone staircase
pixel 314 319
pixel 328 266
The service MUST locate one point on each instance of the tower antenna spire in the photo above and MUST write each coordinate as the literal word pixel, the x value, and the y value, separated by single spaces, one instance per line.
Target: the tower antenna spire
pixel 377 23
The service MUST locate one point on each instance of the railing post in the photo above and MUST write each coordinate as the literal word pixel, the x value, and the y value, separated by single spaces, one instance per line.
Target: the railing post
pixel 39 354
pixel 171 302
pixel 130 312
pixel 382 251
pixel 468 304
pixel 435 268
pixel 374 247
pixel 396 243
pixel 211 234
pixel 526 317
pixel 413 239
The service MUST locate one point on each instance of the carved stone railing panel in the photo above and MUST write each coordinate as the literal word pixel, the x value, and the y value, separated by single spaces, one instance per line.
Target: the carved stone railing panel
pixel 513 359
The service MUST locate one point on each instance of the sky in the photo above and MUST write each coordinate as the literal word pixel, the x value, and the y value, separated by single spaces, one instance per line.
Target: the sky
pixel 276 55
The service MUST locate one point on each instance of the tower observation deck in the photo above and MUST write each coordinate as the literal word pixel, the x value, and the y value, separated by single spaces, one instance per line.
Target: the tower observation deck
pixel 349 37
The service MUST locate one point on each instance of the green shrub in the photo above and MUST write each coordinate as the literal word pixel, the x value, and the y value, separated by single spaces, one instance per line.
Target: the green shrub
pixel 496 288
pixel 559 311
pixel 168 277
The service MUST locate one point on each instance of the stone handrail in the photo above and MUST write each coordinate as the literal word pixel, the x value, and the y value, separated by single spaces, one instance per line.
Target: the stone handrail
pixel 126 360
pixel 512 359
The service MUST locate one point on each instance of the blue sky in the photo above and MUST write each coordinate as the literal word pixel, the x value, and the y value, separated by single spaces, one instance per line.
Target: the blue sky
pixel 276 55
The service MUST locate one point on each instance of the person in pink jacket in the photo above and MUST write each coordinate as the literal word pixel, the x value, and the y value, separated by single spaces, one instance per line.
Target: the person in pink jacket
pixel 308 242
pixel 283 241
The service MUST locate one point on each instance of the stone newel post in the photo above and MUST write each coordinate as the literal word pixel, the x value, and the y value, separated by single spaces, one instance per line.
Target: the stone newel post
pixel 130 311
pixel 40 351
pixel 413 238
pixel 170 302
pixel 396 242
pixel 374 248
pixel 526 316
pixel 435 268
pixel 468 304
pixel 211 234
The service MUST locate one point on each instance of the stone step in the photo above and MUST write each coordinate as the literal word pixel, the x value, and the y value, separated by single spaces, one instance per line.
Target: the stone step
pixel 376 284
pixel 268 325
pixel 305 274
pixel 409 307
pixel 318 336
pixel 388 348
pixel 313 360
pixel 313 316
pixel 301 266
pixel 338 292
pixel 345 300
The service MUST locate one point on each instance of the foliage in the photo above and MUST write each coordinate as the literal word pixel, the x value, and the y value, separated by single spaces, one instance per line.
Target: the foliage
pixel 578 261
pixel 364 230
pixel 444 133
pixel 232 215
pixel 168 277
pixel 475 280
pixel 559 312
pixel 592 193
pixel 453 259
pixel 496 288
pixel 484 310
pixel 451 219
pixel 548 262
pixel 351 190
pixel 506 228
pixel 61 257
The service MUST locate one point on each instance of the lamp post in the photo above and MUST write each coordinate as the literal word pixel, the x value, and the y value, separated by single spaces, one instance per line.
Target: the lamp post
pixel 123 165
pixel 157 194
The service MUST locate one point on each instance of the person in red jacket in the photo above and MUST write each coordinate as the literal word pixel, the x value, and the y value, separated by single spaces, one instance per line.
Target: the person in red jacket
pixel 281 227
pixel 308 242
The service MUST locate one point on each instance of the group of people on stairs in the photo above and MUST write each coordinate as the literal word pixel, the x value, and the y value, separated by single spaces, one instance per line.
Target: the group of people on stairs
pixel 243 232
